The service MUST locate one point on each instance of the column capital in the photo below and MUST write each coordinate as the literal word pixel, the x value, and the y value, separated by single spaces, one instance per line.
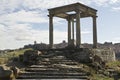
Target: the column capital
pixel 50 15
pixel 94 16
pixel 77 11
pixel 68 18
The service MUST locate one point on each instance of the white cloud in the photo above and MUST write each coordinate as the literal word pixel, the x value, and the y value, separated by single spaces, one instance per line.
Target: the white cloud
pixel 115 1
pixel 23 16
pixel 107 3
pixel 45 4
pixel 2 30
pixel 8 6
pixel 17 35
pixel 86 32
pixel 101 2
pixel 16 17
pixel 116 40
pixel 13 5
pixel 116 8
pixel 24 33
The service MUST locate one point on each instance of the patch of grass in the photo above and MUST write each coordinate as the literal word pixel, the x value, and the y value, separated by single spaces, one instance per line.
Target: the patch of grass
pixel 4 58
pixel 100 77
pixel 94 75
pixel 113 64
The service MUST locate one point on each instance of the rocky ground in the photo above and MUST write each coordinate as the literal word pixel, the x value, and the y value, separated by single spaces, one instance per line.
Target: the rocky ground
pixel 56 65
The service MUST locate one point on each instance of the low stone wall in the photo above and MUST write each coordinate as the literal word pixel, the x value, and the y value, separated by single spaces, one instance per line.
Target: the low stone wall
pixel 106 55
pixel 80 55
pixel 88 55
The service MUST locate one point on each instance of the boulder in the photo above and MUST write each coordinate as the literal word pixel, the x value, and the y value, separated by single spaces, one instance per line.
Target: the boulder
pixel 31 56
pixel 15 71
pixel 6 74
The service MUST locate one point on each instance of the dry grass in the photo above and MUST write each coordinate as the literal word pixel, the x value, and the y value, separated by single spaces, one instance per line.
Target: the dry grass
pixel 4 58
pixel 100 77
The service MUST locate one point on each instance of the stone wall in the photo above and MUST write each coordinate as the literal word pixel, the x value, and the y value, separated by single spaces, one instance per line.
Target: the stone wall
pixel 79 55
pixel 106 55
pixel 88 55
pixel 82 56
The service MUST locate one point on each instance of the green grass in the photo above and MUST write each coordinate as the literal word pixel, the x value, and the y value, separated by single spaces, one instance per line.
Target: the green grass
pixel 4 58
pixel 113 64
pixel 95 76
pixel 98 77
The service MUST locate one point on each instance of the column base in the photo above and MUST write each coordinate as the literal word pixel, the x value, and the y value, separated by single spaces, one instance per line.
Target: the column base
pixel 78 46
pixel 51 47
pixel 94 46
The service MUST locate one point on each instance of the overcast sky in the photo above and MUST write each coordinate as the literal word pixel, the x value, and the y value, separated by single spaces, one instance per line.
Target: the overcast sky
pixel 25 21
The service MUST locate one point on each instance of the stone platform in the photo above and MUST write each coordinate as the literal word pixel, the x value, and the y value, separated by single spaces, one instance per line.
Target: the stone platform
pixel 54 67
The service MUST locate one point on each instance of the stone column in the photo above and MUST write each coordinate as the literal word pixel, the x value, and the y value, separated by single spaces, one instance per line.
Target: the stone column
pixel 51 31
pixel 94 32
pixel 78 33
pixel 69 30
pixel 73 29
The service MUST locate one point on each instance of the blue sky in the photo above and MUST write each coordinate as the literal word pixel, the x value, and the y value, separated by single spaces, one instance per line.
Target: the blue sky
pixel 25 21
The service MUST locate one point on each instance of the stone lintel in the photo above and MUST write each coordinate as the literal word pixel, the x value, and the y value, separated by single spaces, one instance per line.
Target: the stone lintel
pixel 83 15
pixel 71 7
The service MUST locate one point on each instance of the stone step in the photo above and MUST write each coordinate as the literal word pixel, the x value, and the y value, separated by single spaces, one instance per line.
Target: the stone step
pixel 41 69
pixel 68 63
pixel 52 57
pixel 51 77
pixel 45 56
pixel 61 61
pixel 40 66
pixel 54 62
pixel 53 68
pixel 53 74
pixel 58 57
pixel 44 63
